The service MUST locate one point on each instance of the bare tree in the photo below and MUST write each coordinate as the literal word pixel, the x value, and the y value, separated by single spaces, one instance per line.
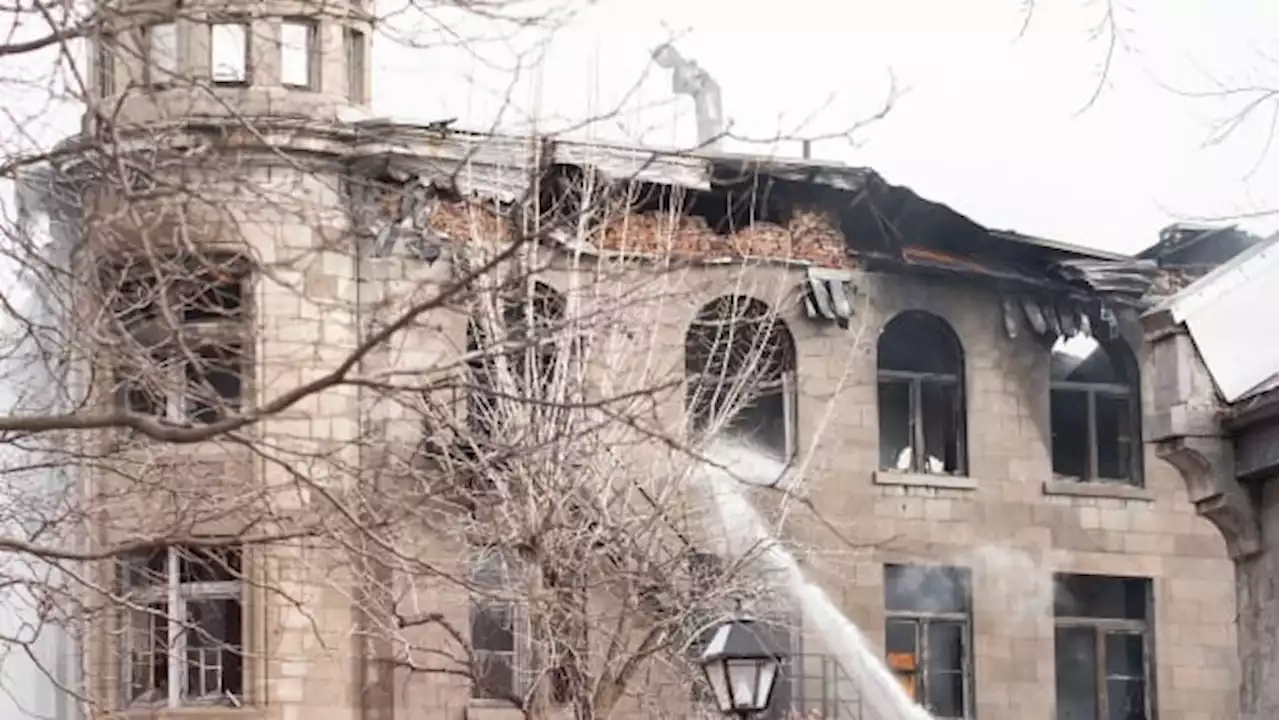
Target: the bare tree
pixel 257 383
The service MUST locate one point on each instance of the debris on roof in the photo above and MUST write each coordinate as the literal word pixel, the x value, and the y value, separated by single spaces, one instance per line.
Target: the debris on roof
pixel 717 206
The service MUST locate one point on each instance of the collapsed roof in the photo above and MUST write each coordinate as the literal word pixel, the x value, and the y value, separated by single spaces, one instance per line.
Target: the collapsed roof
pixel 1051 288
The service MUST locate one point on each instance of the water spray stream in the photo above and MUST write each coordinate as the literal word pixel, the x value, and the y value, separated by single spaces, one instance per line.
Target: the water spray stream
pixel 745 531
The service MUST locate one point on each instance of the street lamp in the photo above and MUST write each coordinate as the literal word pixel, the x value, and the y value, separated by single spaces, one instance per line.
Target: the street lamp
pixel 741 666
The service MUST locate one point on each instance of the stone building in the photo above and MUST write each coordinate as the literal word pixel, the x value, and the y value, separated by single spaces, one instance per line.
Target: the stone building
pixel 1027 555
pixel 1213 348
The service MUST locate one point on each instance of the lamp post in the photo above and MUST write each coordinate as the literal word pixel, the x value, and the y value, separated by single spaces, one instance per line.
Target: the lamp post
pixel 741 666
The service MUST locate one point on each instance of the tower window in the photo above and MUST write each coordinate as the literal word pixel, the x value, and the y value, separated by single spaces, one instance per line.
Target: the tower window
pixel 105 67
pixel 355 66
pixel 229 52
pixel 182 638
pixel 298 66
pixel 161 44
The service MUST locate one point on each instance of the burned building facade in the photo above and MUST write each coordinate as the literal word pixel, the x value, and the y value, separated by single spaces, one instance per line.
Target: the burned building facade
pixel 966 405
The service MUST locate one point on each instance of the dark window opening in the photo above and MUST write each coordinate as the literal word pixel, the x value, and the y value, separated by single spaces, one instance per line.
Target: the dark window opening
pixel 493 631
pixel 1094 413
pixel 740 364
pixel 532 326
pixel 204 629
pixel 214 385
pixel 137 396
pixel 927 636
pixel 195 291
pixel 1102 648
pixel 216 299
pixel 493 640
pixel 920 366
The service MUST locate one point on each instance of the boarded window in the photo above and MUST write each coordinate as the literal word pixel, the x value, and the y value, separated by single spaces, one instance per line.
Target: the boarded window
pixel 920 368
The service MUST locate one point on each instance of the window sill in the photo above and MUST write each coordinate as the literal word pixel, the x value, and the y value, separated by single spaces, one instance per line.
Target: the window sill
pixel 194 712
pixel 483 709
pixel 924 480
pixel 1095 489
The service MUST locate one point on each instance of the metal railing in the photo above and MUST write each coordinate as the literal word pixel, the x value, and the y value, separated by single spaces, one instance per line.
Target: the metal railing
pixel 821 689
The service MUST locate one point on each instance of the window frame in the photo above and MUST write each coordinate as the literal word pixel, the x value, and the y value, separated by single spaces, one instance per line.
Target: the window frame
pixel 1104 627
pixel 178 402
pixel 246 27
pixel 482 571
pixel 1091 391
pixel 355 44
pixel 105 65
pixel 311 52
pixel 175 595
pixel 166 76
pixel 706 389
pixel 915 382
pixel 921 621
pixel 219 334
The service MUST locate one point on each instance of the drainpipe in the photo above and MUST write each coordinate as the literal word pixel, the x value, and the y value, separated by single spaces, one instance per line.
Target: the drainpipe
pixel 688 78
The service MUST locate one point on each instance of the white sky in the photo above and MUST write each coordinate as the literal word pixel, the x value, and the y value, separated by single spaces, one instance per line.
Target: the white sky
pixel 992 124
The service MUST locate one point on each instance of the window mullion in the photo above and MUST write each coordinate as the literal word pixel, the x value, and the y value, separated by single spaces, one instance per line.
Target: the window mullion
pixel 1091 417
pixel 922 662
pixel 177 639
pixel 1100 670
pixel 918 463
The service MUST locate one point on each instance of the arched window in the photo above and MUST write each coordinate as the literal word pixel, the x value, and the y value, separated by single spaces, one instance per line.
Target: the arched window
pixel 1094 412
pixel 530 327
pixel 740 363
pixel 920 368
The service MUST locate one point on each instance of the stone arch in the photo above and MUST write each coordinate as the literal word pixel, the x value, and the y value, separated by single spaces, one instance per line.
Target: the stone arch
pixel 1095 414
pixel 920 373
pixel 740 366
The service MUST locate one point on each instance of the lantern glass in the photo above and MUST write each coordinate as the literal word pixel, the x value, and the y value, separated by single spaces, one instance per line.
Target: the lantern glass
pixel 742 682
pixel 719 685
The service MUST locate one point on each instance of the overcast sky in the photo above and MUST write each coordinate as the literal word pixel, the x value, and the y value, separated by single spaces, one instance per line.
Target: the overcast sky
pixel 990 122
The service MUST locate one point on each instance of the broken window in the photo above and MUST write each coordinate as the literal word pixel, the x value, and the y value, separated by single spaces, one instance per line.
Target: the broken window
pixel 1102 647
pixel 1094 412
pixel 740 364
pixel 190 373
pixel 182 640
pixel 927 635
pixel 203 388
pixel 526 345
pixel 495 628
pixel 920 368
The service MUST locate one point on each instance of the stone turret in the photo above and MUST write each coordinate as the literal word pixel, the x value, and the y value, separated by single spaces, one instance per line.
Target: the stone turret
pixel 158 61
